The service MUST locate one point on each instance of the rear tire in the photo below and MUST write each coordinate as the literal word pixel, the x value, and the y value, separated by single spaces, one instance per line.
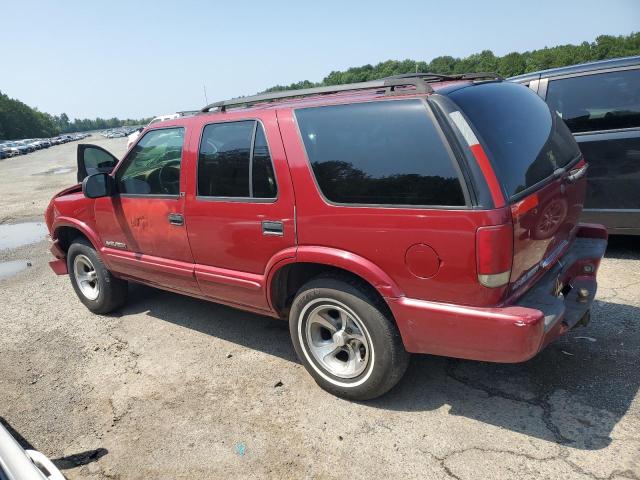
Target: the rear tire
pixel 95 286
pixel 345 337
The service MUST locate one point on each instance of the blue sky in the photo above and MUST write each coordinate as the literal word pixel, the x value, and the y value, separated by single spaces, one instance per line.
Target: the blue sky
pixel 140 58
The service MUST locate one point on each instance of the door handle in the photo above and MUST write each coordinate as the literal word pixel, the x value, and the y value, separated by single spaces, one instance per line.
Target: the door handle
pixel 176 219
pixel 271 227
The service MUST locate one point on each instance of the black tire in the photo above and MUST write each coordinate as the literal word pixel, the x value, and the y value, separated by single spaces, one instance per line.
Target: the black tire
pixel 112 291
pixel 385 357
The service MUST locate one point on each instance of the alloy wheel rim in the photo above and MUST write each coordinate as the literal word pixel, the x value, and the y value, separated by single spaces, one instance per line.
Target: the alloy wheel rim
pixel 337 341
pixel 86 277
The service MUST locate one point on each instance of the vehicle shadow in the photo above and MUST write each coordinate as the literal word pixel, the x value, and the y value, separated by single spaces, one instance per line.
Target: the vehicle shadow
pixel 624 247
pixel 63 463
pixel 574 392
pixel 257 332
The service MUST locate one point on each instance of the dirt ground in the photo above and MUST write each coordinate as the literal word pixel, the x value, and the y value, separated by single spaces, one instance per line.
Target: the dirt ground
pixel 173 387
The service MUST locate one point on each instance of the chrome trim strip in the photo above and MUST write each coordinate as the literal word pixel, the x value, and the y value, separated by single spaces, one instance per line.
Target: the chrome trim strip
pixel 555 253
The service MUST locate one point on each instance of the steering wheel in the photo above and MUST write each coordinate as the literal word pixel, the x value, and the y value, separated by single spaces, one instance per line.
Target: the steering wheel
pixel 169 177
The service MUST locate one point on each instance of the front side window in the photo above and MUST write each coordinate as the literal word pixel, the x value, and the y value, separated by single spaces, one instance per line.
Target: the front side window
pixel 234 162
pixel 153 166
pixel 604 101
pixel 381 153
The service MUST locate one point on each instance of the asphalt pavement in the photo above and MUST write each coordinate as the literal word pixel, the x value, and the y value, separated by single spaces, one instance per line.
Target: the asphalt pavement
pixel 174 387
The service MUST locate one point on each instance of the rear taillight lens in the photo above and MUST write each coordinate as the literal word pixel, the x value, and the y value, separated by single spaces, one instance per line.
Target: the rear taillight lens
pixel 494 254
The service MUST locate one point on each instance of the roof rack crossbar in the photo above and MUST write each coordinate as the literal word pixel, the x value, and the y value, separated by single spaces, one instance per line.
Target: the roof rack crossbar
pixel 436 77
pixel 419 80
pixel 389 84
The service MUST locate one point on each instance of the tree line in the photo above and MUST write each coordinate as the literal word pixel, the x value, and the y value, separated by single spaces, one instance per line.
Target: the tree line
pixel 514 63
pixel 82 125
pixel 18 120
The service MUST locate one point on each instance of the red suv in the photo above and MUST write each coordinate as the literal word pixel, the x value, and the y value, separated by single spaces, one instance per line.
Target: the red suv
pixel 419 213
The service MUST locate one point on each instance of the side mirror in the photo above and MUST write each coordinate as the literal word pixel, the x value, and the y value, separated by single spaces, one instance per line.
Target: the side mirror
pixel 94 159
pixel 98 185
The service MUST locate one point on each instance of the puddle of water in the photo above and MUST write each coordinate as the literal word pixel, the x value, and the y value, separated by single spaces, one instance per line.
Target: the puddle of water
pixel 19 234
pixel 9 269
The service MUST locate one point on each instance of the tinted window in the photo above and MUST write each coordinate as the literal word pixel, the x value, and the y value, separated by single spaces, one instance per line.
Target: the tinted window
pixel 153 165
pixel 263 177
pixel 229 152
pixel 387 153
pixel 525 141
pixel 597 102
pixel 97 160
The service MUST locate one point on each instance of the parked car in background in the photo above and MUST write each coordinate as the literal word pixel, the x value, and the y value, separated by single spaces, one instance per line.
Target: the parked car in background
pixel 600 103
pixel 432 214
pixel 36 144
pixel 9 150
pixel 25 147
pixel 134 136
pixel 19 147
pixel 160 118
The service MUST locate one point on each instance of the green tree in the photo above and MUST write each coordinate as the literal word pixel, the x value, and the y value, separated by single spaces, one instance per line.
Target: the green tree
pixel 514 63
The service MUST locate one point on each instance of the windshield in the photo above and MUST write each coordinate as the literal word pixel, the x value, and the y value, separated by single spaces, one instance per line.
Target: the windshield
pixel 524 140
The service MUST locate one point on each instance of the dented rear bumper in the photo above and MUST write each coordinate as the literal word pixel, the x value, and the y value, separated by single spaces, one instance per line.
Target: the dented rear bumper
pixel 515 332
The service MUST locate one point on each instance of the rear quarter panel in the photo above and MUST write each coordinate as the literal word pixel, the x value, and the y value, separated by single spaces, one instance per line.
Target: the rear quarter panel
pixel 383 235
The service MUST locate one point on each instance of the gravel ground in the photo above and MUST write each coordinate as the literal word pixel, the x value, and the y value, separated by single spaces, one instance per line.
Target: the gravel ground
pixel 173 387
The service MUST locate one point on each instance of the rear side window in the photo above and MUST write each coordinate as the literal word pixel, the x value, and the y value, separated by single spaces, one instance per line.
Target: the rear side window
pixel 604 101
pixel 525 141
pixel 234 161
pixel 382 153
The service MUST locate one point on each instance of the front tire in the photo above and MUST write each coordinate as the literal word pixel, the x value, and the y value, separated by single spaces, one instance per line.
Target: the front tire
pixel 95 286
pixel 345 337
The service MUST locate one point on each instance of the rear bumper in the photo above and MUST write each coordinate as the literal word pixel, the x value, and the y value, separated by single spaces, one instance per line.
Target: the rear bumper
pixel 508 333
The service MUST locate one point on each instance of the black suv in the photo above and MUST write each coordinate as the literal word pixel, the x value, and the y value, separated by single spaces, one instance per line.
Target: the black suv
pixel 600 103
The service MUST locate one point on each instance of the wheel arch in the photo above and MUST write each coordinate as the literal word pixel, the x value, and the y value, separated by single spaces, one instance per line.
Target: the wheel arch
pixel 66 230
pixel 286 277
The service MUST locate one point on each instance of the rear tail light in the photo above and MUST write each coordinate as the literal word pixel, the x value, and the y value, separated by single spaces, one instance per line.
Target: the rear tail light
pixel 494 254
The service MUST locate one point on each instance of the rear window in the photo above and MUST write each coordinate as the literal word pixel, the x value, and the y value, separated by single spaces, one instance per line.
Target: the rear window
pixel 524 140
pixel 380 153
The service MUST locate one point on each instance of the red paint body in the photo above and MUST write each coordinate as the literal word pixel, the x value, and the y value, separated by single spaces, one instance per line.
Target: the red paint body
pixel 422 261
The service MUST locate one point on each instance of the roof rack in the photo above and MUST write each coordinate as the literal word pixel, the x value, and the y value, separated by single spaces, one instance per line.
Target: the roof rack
pixel 419 80
pixel 438 77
